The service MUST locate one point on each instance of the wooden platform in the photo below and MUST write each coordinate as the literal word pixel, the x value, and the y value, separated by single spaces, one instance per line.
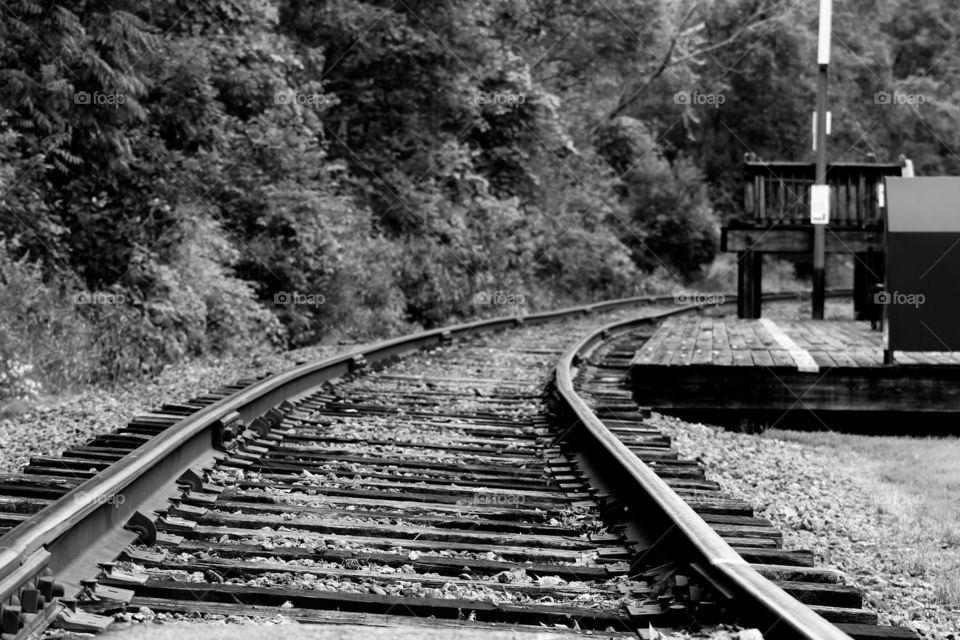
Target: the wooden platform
pixel 726 367
pixel 729 341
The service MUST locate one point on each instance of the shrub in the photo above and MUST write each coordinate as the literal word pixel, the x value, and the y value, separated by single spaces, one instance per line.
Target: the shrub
pixel 184 300
pixel 44 341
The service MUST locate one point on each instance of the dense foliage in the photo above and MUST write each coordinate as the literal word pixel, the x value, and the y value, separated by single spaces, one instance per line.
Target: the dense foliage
pixel 180 178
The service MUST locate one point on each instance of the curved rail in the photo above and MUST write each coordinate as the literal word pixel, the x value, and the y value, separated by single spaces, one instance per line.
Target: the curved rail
pixel 761 602
pixel 68 538
pixel 57 537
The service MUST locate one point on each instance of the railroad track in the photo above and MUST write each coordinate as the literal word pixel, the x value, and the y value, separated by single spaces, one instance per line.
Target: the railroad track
pixel 721 540
pixel 443 490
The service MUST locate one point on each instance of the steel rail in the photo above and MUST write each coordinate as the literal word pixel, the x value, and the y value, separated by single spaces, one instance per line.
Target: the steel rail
pixel 61 533
pixel 86 526
pixel 759 601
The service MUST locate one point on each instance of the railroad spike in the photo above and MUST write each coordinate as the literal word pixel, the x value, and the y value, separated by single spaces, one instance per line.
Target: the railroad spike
pixel 192 479
pixel 274 417
pixel 143 527
pixel 260 426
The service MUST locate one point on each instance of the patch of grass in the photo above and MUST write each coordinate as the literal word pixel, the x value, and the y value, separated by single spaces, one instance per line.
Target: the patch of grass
pixel 915 483
pixel 947 590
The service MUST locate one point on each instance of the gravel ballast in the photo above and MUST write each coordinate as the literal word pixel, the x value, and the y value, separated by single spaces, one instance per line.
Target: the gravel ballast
pixel 51 425
pixel 811 493
pixel 821 500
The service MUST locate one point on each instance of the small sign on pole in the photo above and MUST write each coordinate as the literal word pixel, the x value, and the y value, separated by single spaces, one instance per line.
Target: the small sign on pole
pixel 813 127
pixel 820 204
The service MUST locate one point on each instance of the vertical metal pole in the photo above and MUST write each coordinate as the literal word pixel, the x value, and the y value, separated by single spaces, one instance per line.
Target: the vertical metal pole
pixel 819 230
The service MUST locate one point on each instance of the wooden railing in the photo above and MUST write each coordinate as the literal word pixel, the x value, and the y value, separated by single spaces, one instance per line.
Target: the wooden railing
pixel 778 193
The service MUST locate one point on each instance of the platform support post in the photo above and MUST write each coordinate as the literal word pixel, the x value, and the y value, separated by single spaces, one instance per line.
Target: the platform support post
pixel 749 283
pixel 757 277
pixel 860 288
pixel 742 284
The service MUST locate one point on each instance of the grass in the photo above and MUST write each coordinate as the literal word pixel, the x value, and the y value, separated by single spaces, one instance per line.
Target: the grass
pixel 916 484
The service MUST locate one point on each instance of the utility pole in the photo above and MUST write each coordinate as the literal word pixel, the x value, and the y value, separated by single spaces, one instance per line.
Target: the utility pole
pixel 820 194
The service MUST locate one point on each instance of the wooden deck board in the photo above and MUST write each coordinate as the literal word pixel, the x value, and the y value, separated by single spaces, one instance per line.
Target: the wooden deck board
pixel 842 358
pixel 762 358
pixel 823 359
pixel 682 341
pixel 781 358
